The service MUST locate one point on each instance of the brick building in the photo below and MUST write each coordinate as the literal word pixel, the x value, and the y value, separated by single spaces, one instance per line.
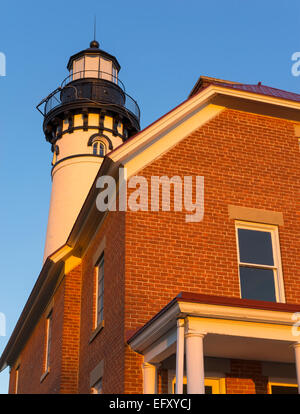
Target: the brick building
pixel 165 301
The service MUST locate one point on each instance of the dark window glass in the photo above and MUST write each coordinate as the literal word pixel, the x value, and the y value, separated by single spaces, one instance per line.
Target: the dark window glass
pixel 100 301
pixel 99 149
pixel 255 247
pixel 257 283
pixel 95 148
pixel 208 389
pixel 279 389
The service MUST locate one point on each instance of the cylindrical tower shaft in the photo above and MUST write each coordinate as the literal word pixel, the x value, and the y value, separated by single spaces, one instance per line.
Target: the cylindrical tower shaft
pixel 87 117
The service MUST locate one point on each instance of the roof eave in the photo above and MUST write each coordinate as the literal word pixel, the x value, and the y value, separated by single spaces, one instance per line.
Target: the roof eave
pixel 31 312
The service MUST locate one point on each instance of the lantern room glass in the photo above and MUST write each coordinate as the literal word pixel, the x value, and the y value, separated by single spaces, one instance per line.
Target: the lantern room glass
pixel 94 66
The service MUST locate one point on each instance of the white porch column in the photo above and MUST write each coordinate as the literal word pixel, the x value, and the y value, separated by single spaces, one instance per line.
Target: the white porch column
pixel 297 358
pixel 150 375
pixel 179 356
pixel 194 359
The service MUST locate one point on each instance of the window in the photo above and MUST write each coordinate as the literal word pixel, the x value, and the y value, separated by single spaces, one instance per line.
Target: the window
pixel 97 388
pixel 114 74
pixel 282 388
pixel 106 68
pixel 208 389
pixel 99 148
pixel 212 385
pixel 91 67
pixel 259 262
pixel 48 340
pixel 100 291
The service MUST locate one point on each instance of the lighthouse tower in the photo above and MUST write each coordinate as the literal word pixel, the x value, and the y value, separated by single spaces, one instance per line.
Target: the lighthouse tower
pixel 88 116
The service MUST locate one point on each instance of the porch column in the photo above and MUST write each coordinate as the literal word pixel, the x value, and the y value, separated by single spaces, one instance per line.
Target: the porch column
pixel 297 358
pixel 179 356
pixel 150 375
pixel 194 359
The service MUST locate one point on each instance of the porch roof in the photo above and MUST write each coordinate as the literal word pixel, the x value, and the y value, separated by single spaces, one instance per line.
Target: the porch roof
pixel 226 301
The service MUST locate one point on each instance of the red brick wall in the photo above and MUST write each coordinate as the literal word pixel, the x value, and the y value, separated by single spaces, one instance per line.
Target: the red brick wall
pixel 246 378
pixel 32 357
pixel 71 332
pixel 109 344
pixel 64 351
pixel 247 160
pixel 162 381
pixel 133 372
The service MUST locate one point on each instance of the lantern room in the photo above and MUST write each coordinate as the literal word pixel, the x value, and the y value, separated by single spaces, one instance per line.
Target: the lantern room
pixel 92 86
pixel 93 63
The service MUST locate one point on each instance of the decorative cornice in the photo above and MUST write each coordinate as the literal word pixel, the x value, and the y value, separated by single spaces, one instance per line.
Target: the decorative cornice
pixel 94 127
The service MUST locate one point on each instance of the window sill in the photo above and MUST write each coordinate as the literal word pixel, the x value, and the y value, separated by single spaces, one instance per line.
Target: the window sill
pixel 96 331
pixel 44 375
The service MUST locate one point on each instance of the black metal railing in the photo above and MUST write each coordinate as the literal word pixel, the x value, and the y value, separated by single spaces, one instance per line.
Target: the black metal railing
pixel 95 74
pixel 59 96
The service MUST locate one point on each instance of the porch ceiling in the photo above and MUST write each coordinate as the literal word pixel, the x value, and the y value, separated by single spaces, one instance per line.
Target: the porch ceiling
pixel 238 347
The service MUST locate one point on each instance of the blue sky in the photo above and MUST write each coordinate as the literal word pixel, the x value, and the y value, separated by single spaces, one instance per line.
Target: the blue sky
pixel 163 47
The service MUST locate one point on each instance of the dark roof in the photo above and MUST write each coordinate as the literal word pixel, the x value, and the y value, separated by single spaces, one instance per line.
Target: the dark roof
pixel 264 90
pixel 205 81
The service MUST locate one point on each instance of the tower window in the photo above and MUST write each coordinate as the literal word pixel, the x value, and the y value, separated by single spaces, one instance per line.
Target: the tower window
pixel 259 262
pixel 99 148
pixel 100 291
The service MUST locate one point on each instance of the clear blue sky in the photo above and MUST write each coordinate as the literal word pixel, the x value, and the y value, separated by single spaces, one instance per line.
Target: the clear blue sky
pixel 163 47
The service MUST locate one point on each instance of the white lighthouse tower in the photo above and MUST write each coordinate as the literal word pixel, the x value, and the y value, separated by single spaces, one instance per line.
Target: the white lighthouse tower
pixel 85 118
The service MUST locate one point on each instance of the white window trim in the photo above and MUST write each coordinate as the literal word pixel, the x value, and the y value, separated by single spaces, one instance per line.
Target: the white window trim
pixel 278 276
pixel 47 355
